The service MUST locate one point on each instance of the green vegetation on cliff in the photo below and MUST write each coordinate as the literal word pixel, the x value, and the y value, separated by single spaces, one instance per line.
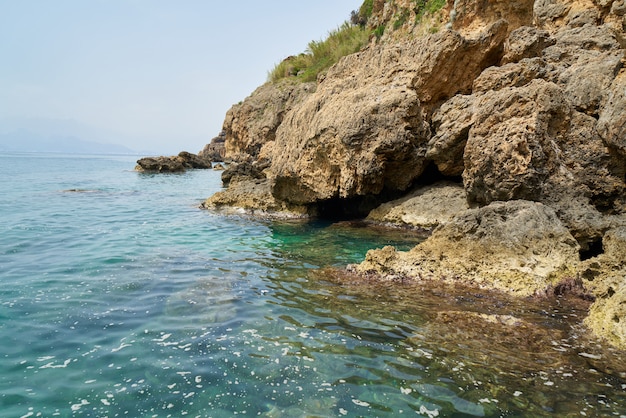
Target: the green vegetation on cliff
pixel 348 38
pixel 320 55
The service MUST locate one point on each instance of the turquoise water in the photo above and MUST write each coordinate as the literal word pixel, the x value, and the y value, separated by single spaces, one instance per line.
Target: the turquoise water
pixel 119 297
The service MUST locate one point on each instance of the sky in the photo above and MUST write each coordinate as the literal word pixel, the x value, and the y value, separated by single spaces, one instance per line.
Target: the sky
pixel 155 75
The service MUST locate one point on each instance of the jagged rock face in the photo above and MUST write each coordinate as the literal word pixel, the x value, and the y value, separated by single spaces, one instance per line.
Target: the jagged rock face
pixel 612 120
pixel 530 128
pixel 469 15
pixel 251 124
pixel 216 149
pixel 374 135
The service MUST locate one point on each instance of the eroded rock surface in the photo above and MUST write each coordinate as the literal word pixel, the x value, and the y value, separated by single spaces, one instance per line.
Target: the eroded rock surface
pixel 606 276
pixel 520 247
pixel 425 208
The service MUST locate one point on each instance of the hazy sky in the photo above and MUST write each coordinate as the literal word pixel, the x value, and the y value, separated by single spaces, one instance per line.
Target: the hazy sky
pixel 149 74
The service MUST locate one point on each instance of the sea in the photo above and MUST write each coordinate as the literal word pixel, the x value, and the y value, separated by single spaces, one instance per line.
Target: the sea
pixel 119 297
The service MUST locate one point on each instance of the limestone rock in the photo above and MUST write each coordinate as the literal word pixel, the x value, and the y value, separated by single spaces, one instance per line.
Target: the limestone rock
pixel 254 170
pixel 606 276
pixel 160 165
pixel 469 16
pixel 249 125
pixel 526 42
pixel 194 161
pixel 505 158
pixel 518 247
pixel 612 120
pixel 216 149
pixel 449 62
pixel 451 124
pixel 253 197
pixel 516 74
pixel 528 143
pixel 373 136
pixel 425 208
pixel 548 13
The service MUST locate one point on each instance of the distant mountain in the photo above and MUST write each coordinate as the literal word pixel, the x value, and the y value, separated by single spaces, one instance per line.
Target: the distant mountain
pixel 26 141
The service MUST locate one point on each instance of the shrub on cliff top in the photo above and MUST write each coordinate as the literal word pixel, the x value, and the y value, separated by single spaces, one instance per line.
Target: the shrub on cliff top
pixel 320 55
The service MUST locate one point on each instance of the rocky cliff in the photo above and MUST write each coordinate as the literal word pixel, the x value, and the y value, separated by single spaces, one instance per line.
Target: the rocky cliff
pixel 520 106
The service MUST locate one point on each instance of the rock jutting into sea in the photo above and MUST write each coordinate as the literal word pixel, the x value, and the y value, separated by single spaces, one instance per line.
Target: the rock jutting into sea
pixel 500 126
pixel 174 164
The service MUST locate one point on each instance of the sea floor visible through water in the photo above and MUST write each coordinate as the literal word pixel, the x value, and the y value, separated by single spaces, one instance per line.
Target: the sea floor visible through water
pixel 120 298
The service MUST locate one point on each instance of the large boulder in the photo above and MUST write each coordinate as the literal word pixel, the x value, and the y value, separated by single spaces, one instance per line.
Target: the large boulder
pixel 530 143
pixel 373 136
pixel 519 247
pixel 587 59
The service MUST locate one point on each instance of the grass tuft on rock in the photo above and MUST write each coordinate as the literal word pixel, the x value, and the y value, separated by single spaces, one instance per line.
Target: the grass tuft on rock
pixel 321 55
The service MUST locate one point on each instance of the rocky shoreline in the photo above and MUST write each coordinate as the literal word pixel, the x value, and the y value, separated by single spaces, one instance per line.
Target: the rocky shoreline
pixel 502 130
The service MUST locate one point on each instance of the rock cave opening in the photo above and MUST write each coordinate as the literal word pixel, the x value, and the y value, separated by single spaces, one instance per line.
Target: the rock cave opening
pixel 348 209
pixel 431 175
pixel 592 249
pixel 358 207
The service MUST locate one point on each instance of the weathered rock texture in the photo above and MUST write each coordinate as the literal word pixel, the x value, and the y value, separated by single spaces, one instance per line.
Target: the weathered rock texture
pixel 216 149
pixel 251 124
pixel 253 197
pixel 520 247
pixel 174 164
pixel 522 102
pixel 606 276
pixel 425 208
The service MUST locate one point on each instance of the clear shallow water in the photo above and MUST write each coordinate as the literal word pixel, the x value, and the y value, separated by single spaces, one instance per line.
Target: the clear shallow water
pixel 119 297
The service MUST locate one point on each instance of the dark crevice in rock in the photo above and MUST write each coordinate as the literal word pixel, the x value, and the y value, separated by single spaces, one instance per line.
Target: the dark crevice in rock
pixel 345 209
pixel 341 209
pixel 591 249
pixel 605 204
pixel 432 175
